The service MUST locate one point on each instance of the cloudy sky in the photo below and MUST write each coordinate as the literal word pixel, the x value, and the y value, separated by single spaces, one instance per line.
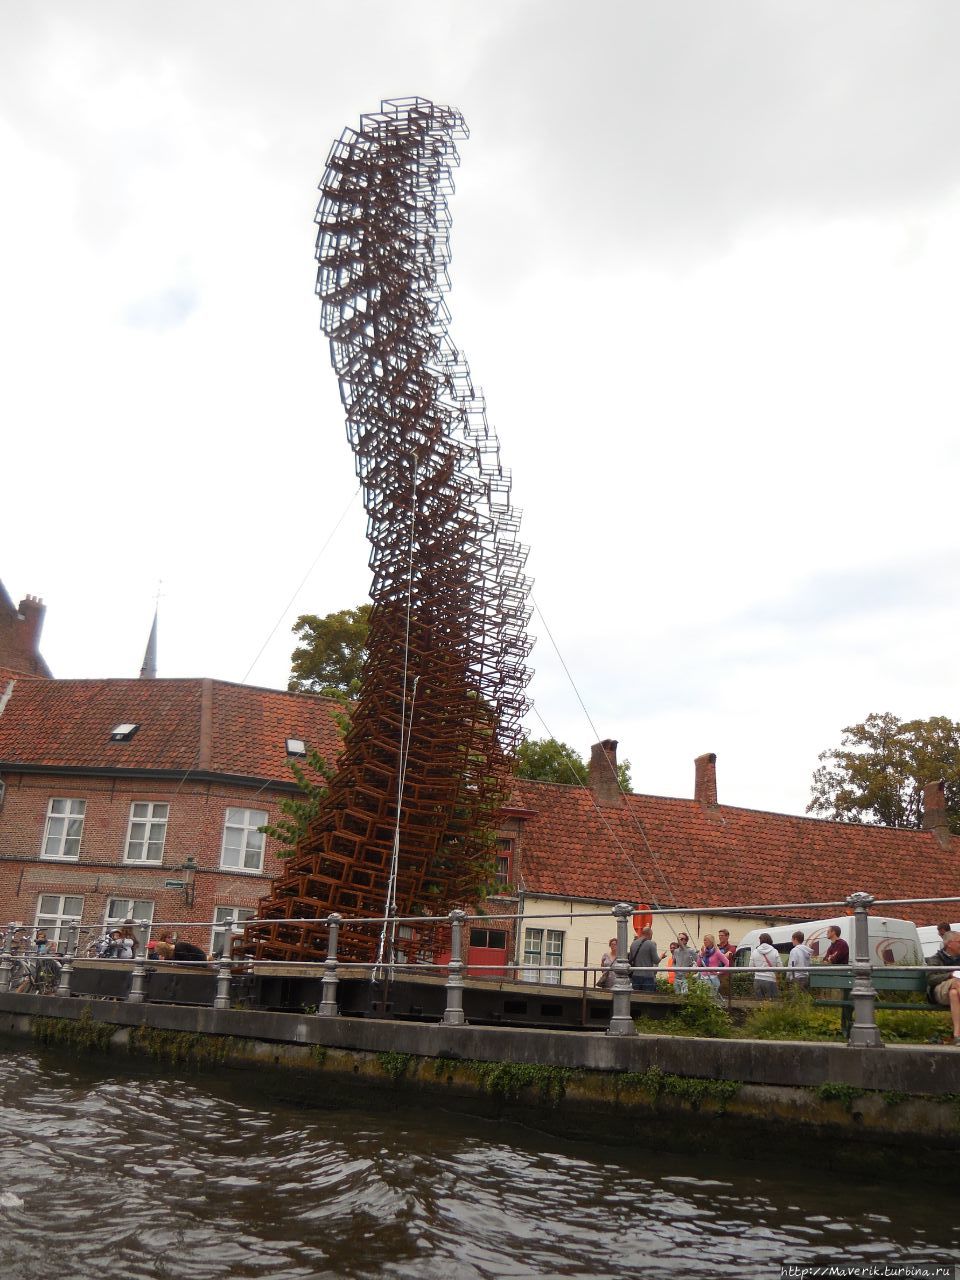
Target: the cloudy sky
pixel 706 269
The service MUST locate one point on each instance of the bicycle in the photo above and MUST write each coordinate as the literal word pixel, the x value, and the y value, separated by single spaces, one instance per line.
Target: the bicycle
pixel 39 974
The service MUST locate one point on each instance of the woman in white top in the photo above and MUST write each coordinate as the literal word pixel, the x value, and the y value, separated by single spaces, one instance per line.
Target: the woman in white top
pixel 765 960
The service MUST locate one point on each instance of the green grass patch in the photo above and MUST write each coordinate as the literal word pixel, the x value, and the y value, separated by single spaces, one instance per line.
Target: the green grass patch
pixel 914 1026
pixel 797 1018
pixel 699 1014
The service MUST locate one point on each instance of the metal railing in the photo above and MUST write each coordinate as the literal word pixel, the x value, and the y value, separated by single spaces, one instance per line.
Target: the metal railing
pixel 863 995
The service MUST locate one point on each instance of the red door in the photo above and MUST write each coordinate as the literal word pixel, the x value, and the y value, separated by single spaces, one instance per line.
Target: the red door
pixel 487 953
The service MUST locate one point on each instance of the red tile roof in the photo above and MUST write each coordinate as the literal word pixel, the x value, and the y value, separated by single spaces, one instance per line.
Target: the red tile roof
pixel 205 726
pixel 720 856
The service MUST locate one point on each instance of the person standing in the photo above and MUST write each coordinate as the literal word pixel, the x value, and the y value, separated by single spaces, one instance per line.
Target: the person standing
pixel 838 952
pixel 798 962
pixel 765 961
pixel 710 959
pixel 729 950
pixel 607 961
pixel 644 958
pixel 685 957
pixel 725 945
pixel 668 956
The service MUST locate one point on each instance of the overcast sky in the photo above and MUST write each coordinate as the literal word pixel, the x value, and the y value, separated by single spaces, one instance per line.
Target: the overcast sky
pixel 706 268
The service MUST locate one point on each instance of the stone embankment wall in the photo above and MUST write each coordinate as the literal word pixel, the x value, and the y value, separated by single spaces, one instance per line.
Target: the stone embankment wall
pixel 838 1105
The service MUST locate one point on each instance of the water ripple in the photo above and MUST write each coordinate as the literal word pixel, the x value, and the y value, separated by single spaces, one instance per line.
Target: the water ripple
pixel 161 1178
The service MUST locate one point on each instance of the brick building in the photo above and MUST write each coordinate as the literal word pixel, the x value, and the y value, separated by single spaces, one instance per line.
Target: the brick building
pixel 20 629
pixel 570 850
pixel 143 797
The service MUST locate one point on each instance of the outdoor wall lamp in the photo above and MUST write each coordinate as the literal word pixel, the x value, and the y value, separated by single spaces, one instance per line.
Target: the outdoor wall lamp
pixel 189 869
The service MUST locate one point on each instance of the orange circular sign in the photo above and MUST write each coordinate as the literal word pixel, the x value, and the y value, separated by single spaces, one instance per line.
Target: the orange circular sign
pixel 643 917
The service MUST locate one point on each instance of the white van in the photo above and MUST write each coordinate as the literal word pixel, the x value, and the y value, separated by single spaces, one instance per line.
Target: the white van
pixel 930 939
pixel 891 941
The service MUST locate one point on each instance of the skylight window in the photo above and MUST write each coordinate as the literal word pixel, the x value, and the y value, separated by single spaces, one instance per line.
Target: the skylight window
pixel 296 747
pixel 123 732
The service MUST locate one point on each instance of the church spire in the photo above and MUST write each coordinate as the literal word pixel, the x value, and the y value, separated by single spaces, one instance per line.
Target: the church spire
pixel 149 669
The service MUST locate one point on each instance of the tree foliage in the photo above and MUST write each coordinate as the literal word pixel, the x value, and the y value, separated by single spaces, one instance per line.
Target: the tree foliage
pixel 331 653
pixel 548 760
pixel 878 772
pixel 311 777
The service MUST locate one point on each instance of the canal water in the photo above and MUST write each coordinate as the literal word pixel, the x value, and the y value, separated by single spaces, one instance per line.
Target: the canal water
pixel 129 1173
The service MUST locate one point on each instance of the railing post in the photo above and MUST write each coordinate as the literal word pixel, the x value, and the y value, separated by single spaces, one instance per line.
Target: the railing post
pixel 864 1030
pixel 222 998
pixel 328 1005
pixel 453 1014
pixel 6 962
pixel 66 969
pixel 621 1023
pixel 138 981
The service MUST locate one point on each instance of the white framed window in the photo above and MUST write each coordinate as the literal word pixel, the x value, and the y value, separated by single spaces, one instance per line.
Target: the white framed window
pixel 542 956
pixel 243 842
pixel 146 831
pixel 61 836
pixel 224 921
pixel 120 909
pixel 56 913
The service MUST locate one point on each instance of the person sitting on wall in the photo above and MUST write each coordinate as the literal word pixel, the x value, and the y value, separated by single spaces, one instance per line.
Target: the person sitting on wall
pixel 643 955
pixel 607 961
pixel 187 951
pixel 103 947
pixel 765 961
pixel 126 942
pixel 838 952
pixel 943 987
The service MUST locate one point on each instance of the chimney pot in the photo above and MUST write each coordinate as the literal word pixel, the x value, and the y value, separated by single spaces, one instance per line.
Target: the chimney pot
pixel 705 779
pixel 602 774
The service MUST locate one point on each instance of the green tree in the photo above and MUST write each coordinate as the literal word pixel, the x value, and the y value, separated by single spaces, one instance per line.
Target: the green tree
pixel 878 772
pixel 311 777
pixel 331 653
pixel 548 760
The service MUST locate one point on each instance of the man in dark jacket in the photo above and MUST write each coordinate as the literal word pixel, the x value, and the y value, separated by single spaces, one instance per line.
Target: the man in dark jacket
pixel 838 952
pixel 943 988
pixel 643 953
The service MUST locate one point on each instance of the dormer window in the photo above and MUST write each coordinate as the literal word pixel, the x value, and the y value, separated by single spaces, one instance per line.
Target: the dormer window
pixel 123 732
pixel 296 747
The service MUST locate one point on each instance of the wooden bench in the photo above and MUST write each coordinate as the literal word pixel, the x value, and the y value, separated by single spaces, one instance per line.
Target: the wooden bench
pixel 825 978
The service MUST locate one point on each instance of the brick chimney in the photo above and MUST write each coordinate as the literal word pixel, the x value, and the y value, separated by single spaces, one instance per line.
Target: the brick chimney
pixel 20 635
pixel 602 776
pixel 31 611
pixel 705 780
pixel 935 812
